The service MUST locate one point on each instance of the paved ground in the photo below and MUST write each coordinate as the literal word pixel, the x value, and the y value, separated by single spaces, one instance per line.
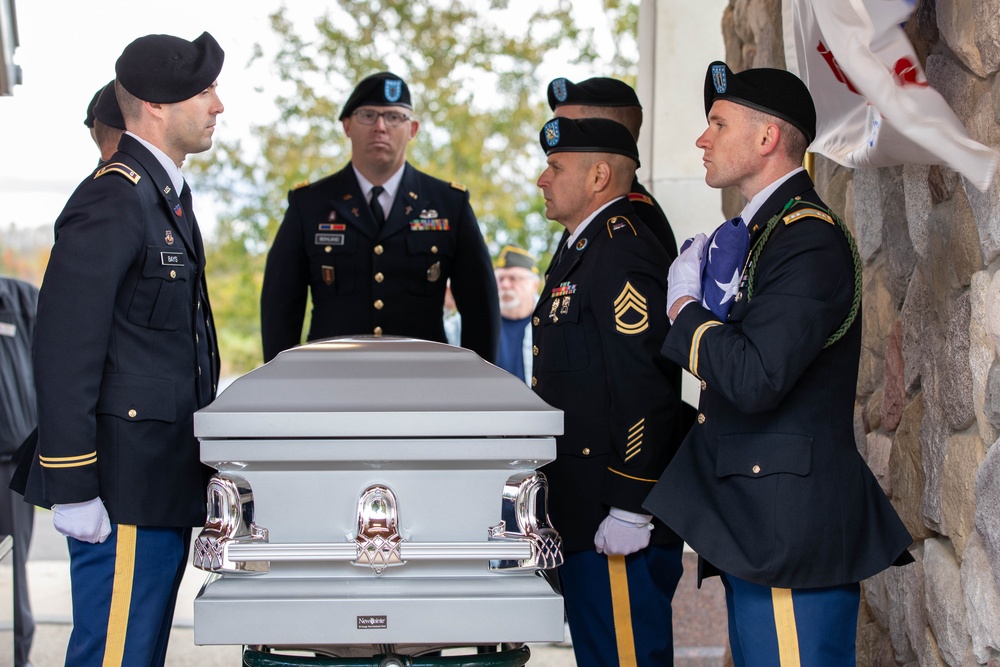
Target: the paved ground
pixel 699 616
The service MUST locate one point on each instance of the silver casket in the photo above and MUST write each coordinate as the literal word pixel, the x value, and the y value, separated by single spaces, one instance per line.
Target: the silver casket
pixel 374 495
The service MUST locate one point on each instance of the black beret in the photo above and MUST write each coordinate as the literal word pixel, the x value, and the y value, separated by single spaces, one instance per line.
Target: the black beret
pixel 89 120
pixel 587 135
pixel 106 108
pixel 511 256
pixel 599 91
pixel 383 89
pixel 165 69
pixel 773 91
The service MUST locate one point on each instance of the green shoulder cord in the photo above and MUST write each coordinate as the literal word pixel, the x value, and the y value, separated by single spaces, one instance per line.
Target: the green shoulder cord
pixel 751 268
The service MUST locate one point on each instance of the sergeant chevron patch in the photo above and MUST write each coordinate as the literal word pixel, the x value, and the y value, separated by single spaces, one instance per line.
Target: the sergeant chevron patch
pixel 631 312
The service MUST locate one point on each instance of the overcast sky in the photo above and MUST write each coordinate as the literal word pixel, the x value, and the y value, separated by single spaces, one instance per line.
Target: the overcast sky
pixel 67 52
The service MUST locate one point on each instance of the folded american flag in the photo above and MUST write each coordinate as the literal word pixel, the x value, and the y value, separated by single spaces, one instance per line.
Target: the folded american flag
pixel 721 265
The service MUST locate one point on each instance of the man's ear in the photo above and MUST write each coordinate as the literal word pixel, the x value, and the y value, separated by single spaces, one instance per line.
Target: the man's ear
pixel 601 178
pixel 769 139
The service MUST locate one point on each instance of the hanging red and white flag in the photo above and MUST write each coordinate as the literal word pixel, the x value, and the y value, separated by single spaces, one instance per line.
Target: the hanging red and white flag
pixel 873 103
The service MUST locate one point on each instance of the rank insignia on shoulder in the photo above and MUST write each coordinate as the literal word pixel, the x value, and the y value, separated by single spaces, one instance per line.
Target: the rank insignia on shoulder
pixel 300 184
pixel 413 195
pixel 458 186
pixel 631 311
pixel 807 213
pixel 638 196
pixel 119 168
pixel 619 223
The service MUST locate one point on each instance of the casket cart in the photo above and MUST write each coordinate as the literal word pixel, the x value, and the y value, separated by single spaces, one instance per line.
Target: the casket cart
pixel 377 502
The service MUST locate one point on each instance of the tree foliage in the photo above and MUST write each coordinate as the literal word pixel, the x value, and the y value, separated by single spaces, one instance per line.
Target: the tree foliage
pixel 477 94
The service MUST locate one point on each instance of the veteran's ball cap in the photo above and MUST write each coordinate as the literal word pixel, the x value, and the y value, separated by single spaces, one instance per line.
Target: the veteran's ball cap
pixel 106 108
pixel 89 120
pixel 383 89
pixel 587 135
pixel 511 256
pixel 165 69
pixel 773 91
pixel 599 91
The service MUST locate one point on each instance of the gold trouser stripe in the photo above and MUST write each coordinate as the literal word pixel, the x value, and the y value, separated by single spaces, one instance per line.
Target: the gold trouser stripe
pixel 622 610
pixel 784 624
pixel 121 597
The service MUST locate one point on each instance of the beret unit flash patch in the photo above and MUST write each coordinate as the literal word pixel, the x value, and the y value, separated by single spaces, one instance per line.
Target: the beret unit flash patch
pixel 631 312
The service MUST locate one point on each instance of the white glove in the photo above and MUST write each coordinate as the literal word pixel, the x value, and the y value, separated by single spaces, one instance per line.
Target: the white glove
pixel 87 521
pixel 622 533
pixel 684 278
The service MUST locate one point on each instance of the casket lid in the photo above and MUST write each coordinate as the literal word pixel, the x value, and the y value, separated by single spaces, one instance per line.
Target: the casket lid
pixel 377 387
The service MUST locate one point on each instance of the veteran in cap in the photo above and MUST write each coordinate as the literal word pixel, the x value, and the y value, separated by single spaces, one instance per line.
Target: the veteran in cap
pixel 376 243
pixel 124 354
pixel 604 97
pixel 598 328
pixel 768 486
pixel 518 280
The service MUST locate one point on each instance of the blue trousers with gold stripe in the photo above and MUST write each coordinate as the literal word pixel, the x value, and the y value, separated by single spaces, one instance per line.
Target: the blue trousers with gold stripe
pixel 783 627
pixel 618 607
pixel 124 591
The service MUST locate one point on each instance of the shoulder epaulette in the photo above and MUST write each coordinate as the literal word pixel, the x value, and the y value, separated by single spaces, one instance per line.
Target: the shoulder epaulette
pixel 638 196
pixel 618 223
pixel 119 168
pixel 300 184
pixel 458 186
pixel 795 216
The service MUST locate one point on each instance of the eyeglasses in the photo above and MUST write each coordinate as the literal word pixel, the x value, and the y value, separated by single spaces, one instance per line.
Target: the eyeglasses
pixel 370 117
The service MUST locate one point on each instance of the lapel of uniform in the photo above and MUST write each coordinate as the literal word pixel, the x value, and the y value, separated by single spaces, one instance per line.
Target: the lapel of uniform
pixel 570 259
pixel 165 188
pixel 350 205
pixel 407 204
pixel 793 187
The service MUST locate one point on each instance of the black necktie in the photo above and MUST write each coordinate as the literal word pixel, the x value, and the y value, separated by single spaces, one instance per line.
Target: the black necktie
pixel 377 207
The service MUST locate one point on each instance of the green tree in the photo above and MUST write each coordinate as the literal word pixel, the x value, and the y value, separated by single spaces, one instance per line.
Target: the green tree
pixel 477 95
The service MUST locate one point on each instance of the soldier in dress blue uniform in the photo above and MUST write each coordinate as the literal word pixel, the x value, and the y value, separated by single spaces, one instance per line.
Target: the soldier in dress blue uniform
pixel 768 487
pixel 124 354
pixel 376 242
pixel 603 97
pixel 104 118
pixel 598 328
pixel 18 417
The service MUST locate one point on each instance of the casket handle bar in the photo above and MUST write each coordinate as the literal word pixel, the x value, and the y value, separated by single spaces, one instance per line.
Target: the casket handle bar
pixel 515 656
pixel 232 543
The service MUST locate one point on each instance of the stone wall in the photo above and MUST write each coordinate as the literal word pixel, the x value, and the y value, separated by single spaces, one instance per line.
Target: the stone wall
pixel 927 416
